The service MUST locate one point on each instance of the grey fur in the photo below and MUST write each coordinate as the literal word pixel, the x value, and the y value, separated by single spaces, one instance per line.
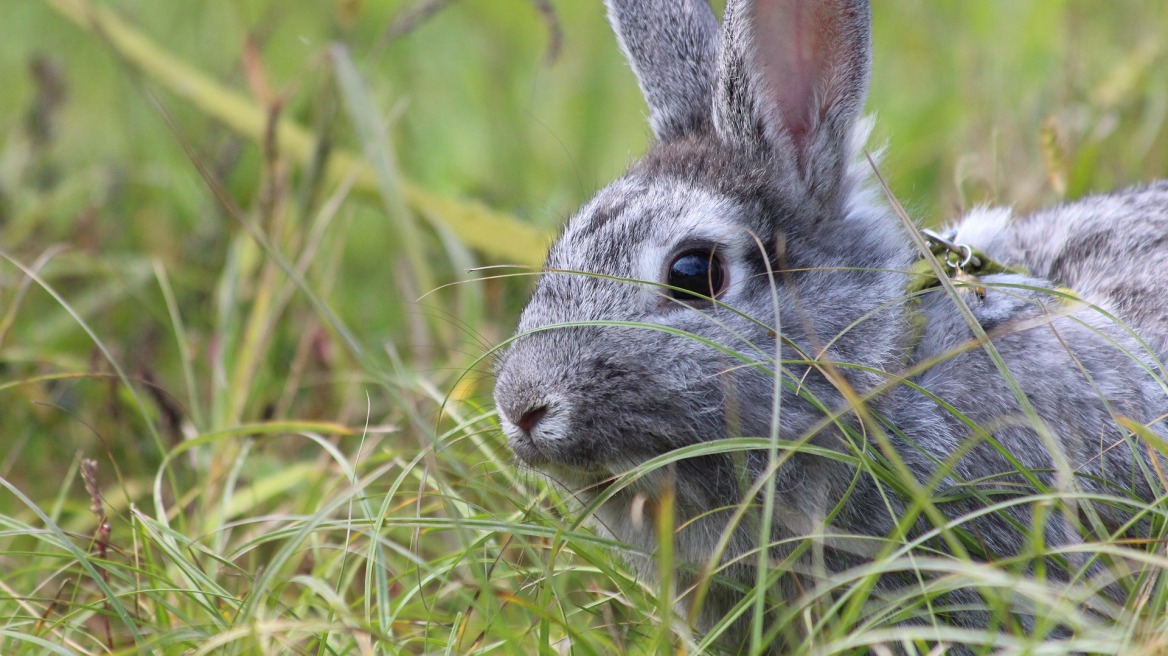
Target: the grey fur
pixel 781 166
pixel 1110 248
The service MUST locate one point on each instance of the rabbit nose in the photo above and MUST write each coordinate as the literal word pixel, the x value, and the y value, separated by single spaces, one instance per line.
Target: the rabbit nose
pixel 531 417
pixel 538 419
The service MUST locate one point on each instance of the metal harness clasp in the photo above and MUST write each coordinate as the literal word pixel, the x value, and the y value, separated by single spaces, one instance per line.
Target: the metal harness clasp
pixel 958 257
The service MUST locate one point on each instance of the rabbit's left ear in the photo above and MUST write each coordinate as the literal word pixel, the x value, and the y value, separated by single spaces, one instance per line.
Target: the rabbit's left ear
pixel 793 76
pixel 672 46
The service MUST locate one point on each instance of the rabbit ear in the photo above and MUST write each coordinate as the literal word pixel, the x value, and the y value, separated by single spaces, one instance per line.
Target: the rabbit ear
pixel 793 76
pixel 673 48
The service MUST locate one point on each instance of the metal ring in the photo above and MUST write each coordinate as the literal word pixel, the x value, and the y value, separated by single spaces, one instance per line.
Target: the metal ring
pixel 966 257
pixel 964 254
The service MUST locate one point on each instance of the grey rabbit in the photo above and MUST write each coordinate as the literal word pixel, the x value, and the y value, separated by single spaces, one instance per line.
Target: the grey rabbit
pixel 757 194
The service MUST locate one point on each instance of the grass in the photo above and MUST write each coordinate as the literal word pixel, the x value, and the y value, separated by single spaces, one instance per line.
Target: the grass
pixel 230 425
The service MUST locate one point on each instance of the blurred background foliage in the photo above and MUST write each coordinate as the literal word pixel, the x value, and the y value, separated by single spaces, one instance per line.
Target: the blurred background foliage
pixel 524 106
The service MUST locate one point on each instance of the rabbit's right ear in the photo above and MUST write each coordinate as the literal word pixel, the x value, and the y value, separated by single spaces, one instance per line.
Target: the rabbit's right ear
pixel 672 46
pixel 793 78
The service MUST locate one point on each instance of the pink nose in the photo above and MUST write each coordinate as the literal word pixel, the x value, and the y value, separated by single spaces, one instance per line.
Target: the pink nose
pixel 530 418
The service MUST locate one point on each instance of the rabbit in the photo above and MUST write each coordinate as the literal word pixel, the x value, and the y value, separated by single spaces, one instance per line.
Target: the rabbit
pixel 747 278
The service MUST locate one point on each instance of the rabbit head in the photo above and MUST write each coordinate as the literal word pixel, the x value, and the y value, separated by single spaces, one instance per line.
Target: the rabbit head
pixel 654 326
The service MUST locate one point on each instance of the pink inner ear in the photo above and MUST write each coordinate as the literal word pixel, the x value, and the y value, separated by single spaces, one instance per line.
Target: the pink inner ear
pixel 799 48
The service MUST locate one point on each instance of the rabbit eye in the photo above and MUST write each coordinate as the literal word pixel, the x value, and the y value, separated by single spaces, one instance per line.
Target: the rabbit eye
pixel 696 275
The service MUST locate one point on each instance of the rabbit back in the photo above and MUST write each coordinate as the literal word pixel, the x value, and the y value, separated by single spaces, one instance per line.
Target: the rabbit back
pixel 1111 249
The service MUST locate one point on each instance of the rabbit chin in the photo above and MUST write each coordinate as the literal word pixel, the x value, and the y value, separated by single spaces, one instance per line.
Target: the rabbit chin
pixel 584 478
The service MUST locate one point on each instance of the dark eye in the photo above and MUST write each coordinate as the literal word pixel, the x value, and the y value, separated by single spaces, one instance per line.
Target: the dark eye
pixel 696 274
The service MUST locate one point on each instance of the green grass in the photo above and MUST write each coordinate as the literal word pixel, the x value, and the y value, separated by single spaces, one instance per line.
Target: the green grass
pixel 293 452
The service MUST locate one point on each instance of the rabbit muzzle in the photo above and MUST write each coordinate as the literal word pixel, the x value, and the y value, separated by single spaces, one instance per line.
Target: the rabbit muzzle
pixel 582 398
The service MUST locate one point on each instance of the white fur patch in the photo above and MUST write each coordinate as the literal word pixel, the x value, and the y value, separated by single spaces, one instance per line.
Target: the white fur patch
pixel 982 226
